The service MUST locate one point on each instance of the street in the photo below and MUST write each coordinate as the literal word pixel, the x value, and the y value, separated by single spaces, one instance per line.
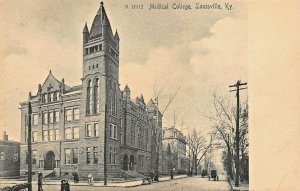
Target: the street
pixel 191 183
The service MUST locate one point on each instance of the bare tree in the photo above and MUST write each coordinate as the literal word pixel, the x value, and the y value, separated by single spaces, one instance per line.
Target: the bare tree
pixel 224 124
pixel 157 135
pixel 198 147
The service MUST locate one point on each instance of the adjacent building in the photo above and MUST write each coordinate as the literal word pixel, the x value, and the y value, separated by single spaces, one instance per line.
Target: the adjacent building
pixel 9 157
pixel 178 158
pixel 75 127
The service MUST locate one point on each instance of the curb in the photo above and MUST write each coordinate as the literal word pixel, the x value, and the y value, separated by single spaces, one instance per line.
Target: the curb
pixel 136 185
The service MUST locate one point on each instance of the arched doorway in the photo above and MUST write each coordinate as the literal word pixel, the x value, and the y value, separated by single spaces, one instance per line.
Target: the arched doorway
pixel 125 162
pixel 49 161
pixel 131 163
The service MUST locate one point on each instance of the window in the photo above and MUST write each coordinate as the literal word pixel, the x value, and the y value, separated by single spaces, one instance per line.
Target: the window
pixel 95 155
pixel 75 156
pixel 115 155
pixel 147 139
pixel 35 119
pixel 110 155
pixel 113 131
pixel 51 118
pixel 45 118
pixel 45 135
pixel 68 133
pixel 132 133
pixel 34 136
pixel 113 102
pixel 89 98
pixel 67 156
pixel 56 116
pixel 140 138
pixel 34 156
pixel 52 135
pixel 121 132
pixel 76 133
pixel 68 115
pixel 96 96
pixel 88 155
pixel 88 131
pixel 56 134
pixel 50 97
pixel 44 98
pixel 96 129
pixel 1 155
pixel 76 113
pixel 56 96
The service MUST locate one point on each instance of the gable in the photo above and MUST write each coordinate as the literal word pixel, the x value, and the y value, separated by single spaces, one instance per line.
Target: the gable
pixel 50 84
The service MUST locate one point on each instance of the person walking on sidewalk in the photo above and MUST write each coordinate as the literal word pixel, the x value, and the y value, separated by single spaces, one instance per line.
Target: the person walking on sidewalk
pixel 90 179
pixel 40 183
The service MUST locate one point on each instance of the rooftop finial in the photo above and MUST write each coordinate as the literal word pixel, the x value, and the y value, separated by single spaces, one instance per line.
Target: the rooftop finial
pixel 101 3
pixel 50 72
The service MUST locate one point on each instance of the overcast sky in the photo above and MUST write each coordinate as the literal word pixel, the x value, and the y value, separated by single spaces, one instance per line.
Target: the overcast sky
pixel 196 50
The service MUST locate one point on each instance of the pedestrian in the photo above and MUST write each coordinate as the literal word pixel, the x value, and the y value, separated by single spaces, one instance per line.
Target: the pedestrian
pixel 75 177
pixel 65 186
pixel 90 179
pixel 40 183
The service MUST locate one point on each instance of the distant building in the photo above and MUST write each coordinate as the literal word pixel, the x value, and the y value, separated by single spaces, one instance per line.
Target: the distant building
pixel 177 142
pixel 9 157
pixel 69 124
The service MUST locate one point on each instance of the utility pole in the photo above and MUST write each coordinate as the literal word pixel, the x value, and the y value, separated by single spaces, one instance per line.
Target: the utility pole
pixel 237 131
pixel 29 148
pixel 105 143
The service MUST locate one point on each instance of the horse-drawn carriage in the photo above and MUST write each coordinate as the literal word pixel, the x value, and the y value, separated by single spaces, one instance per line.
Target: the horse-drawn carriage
pixel 214 175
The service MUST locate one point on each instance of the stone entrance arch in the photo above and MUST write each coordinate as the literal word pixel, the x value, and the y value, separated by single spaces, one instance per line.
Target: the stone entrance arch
pixel 49 161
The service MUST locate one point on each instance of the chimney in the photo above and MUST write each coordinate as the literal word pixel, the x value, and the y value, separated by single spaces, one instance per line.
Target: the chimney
pixel 4 136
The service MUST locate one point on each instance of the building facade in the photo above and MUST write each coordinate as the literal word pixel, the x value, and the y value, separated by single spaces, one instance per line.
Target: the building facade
pixel 75 128
pixel 9 157
pixel 178 158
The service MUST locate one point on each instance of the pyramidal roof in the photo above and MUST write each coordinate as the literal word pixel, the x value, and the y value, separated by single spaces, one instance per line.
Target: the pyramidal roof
pixel 100 21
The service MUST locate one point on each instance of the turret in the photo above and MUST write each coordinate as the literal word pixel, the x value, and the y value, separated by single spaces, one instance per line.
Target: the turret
pixel 117 39
pixel 85 34
pixel 126 93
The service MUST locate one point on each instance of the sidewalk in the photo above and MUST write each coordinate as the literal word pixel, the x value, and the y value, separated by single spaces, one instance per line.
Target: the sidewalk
pixel 242 186
pixel 96 183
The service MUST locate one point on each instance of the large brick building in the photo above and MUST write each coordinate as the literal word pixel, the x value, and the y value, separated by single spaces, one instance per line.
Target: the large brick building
pixel 69 124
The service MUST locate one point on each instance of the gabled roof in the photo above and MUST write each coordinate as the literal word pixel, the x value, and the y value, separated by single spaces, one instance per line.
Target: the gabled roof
pixel 52 81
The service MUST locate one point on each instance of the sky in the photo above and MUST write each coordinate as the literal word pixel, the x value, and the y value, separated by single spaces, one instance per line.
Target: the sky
pixel 194 52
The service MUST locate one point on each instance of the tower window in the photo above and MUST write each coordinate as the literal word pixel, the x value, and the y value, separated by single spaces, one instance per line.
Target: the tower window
pixel 100 46
pixel 97 96
pixel 89 67
pixel 89 98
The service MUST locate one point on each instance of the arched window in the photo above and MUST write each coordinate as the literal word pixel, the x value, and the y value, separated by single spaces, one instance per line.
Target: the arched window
pixel 113 102
pixel 97 96
pixel 89 104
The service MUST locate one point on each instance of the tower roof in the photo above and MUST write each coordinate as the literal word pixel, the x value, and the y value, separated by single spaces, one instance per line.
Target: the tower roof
pixel 99 22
